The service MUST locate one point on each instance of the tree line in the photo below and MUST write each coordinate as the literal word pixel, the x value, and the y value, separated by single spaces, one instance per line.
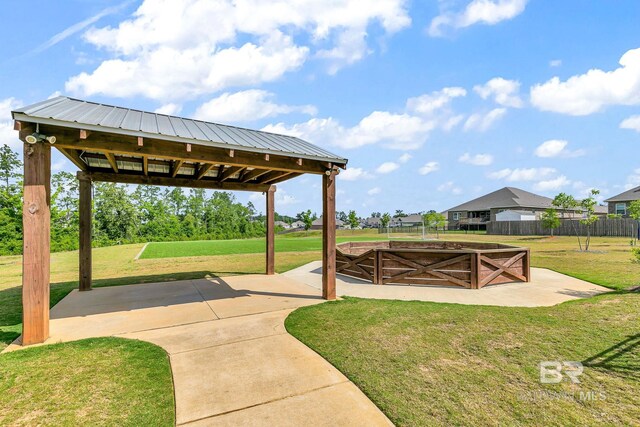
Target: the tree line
pixel 122 216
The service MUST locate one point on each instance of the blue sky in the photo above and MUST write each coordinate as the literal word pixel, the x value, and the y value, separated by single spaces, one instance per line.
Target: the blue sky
pixel 433 102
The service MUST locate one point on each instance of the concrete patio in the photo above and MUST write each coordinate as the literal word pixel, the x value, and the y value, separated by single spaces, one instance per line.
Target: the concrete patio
pixel 232 360
pixel 545 289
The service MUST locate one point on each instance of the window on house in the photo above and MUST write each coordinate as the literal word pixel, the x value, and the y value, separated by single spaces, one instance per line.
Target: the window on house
pixel 621 208
pixel 457 216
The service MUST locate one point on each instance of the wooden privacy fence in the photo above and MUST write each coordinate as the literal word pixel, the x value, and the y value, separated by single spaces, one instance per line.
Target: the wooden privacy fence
pixel 469 265
pixel 603 227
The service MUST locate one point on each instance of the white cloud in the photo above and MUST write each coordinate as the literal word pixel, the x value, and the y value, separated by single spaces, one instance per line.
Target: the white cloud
pixel 450 187
pixel 483 122
pixel 169 109
pixel 354 174
pixel 633 180
pixel 591 92
pixel 374 191
pixel 176 50
pixel 524 174
pixel 504 92
pixel 556 148
pixel 489 12
pixel 428 168
pixel 8 136
pixel 387 167
pixel 405 158
pixel 552 184
pixel 429 103
pixel 555 63
pixel 396 131
pixel 246 105
pixel 477 159
pixel 632 123
pixel 282 198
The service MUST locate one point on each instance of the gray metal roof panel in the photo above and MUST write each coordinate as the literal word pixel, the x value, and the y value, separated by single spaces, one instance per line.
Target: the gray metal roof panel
pixel 141 123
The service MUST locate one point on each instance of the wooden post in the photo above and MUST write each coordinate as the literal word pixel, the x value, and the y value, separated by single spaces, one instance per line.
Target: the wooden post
pixel 85 232
pixel 270 230
pixel 329 235
pixel 475 270
pixel 526 265
pixel 36 220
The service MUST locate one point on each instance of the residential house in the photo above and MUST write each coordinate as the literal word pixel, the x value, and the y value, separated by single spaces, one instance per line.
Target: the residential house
pixel 475 213
pixel 317 224
pixel 514 215
pixel 282 224
pixel 297 224
pixel 619 205
pixel 406 221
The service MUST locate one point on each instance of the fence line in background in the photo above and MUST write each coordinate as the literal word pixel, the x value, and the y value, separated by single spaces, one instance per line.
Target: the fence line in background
pixel 619 227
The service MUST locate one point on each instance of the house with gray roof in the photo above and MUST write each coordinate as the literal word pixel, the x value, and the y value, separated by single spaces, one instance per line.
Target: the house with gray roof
pixel 477 212
pixel 619 205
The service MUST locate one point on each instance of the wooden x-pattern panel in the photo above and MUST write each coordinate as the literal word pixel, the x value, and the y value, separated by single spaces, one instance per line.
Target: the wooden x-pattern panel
pixel 420 270
pixel 350 265
pixel 501 269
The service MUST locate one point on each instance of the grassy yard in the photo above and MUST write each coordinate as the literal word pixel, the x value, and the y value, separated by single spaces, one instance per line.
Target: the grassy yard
pixel 421 362
pixel 445 364
pixel 104 381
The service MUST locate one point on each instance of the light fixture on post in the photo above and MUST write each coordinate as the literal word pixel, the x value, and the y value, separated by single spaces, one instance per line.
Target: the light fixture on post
pixel 36 137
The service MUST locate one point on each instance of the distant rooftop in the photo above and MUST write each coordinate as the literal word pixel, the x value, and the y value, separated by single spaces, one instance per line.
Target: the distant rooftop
pixel 627 196
pixel 507 197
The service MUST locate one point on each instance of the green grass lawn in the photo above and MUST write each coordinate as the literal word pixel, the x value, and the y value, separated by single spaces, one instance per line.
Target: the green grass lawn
pixel 445 364
pixel 243 246
pixel 101 381
pixel 379 344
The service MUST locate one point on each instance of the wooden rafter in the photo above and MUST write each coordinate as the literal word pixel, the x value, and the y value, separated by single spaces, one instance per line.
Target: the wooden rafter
pixel 75 158
pixel 112 161
pixel 175 167
pixel 204 168
pixel 227 173
pixel 272 176
pixel 256 173
pixel 145 165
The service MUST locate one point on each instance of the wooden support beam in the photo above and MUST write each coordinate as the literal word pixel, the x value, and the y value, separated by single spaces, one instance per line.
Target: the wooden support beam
pixel 18 125
pixel 145 165
pixel 84 210
pixel 36 219
pixel 256 173
pixel 270 249
pixel 329 236
pixel 272 176
pixel 84 134
pixel 112 161
pixel 176 167
pixel 204 168
pixel 74 157
pixel 285 178
pixel 212 184
pixel 121 144
pixel 226 174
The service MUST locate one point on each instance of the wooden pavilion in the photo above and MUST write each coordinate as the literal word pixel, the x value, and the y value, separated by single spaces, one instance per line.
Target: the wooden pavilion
pixel 115 144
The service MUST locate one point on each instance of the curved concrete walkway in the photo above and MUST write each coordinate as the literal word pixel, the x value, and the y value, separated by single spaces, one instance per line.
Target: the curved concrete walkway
pixel 233 362
pixel 546 288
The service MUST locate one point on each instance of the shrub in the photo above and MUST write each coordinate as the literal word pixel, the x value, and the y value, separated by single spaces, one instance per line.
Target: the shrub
pixel 636 254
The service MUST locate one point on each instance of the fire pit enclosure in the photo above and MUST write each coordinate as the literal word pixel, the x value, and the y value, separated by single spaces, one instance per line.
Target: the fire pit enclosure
pixel 466 264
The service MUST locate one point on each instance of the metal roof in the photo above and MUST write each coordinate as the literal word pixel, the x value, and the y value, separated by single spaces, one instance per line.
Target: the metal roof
pixel 507 197
pixel 627 196
pixel 79 114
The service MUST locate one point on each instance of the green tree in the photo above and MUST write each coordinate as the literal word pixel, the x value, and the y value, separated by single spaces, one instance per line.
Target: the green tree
pixel 342 216
pixel 433 219
pixel 306 218
pixel 385 219
pixel 115 214
pixel 353 220
pixel 568 204
pixel 550 219
pixel 634 213
pixel 589 218
pixel 400 213
pixel 10 165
